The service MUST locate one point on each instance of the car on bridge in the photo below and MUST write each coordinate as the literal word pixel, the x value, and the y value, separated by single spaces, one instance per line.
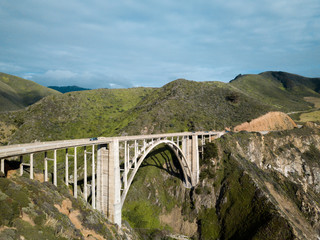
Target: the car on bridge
pixel 93 139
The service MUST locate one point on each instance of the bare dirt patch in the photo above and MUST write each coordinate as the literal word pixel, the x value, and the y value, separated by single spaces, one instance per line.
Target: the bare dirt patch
pixel 66 208
pixel 12 173
pixel 25 217
pixel 175 220
pixel 272 121
pixel 39 177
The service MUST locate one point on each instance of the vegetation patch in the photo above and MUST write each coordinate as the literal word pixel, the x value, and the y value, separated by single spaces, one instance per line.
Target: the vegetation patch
pixel 156 190
pixel 310 117
pixel 28 211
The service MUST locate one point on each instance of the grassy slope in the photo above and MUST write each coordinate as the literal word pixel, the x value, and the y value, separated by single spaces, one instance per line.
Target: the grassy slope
pixel 178 106
pixel 184 105
pixel 29 211
pixel 76 114
pixel 281 90
pixel 17 93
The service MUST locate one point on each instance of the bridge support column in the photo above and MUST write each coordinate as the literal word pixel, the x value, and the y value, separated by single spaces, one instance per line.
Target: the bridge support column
pixel 93 180
pixel 55 177
pixel 67 167
pixel 108 170
pixel 195 160
pixel 2 166
pixel 184 147
pixel 102 157
pixel 75 174
pixel 31 166
pixel 190 149
pixel 85 190
pixel 45 162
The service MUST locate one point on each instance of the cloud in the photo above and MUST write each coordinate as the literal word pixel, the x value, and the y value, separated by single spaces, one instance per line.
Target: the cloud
pixel 9 67
pixel 148 43
pixel 60 74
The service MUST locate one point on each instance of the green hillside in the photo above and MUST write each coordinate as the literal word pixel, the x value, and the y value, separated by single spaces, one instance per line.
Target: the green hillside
pixel 283 91
pixel 184 105
pixel 34 210
pixel 75 114
pixel 180 105
pixel 17 93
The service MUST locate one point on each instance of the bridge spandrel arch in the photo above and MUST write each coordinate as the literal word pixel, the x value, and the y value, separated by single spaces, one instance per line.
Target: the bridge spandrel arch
pixel 183 162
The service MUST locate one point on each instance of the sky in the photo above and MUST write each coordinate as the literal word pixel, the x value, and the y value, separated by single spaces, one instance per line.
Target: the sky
pixel 131 43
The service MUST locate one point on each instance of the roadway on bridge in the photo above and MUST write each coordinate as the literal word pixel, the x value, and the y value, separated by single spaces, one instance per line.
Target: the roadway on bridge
pixel 21 149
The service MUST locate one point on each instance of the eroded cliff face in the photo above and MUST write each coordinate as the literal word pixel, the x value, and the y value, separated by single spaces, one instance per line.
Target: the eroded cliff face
pixel 289 173
pixel 252 186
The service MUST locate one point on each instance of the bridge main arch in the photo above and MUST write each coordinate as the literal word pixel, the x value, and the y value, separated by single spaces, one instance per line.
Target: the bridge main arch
pixel 113 181
pixel 186 169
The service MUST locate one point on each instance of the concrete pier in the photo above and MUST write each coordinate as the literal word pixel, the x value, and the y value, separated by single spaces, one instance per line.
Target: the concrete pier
pixel 55 177
pixel 85 190
pixel 2 166
pixel 93 180
pixel 108 181
pixel 67 167
pixel 75 174
pixel 31 166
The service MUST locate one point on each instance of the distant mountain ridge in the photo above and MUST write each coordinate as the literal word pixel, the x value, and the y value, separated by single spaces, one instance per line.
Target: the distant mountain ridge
pixel 65 89
pixel 17 93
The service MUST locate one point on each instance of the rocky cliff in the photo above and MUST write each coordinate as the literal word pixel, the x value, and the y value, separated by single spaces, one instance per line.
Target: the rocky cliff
pixel 285 166
pixel 252 186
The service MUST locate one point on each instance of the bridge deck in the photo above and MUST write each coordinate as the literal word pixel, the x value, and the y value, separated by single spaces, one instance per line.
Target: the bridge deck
pixel 21 149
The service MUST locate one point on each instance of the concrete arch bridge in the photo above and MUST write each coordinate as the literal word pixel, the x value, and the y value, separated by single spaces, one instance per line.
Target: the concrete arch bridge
pixel 113 162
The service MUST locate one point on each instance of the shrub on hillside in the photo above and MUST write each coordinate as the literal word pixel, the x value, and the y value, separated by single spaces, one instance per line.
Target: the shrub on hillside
pixel 233 97
pixel 210 152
